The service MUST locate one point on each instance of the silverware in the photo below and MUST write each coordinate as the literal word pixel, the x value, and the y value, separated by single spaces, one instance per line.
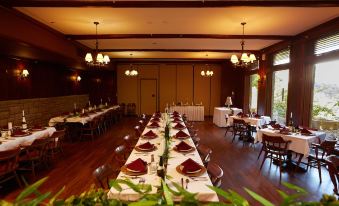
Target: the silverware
pixel 182 182
pixel 187 181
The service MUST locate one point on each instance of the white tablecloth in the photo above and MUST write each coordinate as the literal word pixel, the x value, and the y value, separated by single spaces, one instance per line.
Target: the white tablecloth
pixel 258 122
pixel 14 142
pixel 299 143
pixel 193 113
pixel 204 193
pixel 77 119
pixel 219 115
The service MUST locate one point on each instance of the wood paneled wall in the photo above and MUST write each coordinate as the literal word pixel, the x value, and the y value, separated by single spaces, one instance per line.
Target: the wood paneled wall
pixel 182 82
pixel 50 80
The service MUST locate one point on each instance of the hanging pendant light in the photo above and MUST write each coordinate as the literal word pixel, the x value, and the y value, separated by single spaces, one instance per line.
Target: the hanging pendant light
pixel 245 59
pixel 100 60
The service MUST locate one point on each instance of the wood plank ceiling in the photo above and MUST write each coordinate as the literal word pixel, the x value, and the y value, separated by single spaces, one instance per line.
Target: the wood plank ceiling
pixel 180 29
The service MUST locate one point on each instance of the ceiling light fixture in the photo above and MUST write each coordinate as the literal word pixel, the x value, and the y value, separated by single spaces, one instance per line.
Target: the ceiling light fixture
pixel 245 59
pixel 100 60
pixel 132 71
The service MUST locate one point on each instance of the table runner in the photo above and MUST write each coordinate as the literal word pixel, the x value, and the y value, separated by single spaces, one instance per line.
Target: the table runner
pixel 14 142
pixel 204 193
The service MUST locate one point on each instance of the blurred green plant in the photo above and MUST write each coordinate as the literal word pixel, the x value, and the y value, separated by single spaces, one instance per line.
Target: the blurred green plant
pixel 164 196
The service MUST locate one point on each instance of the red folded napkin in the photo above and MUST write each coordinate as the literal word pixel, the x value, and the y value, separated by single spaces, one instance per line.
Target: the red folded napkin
pixel 150 134
pixel 284 130
pixel 137 165
pixel 179 126
pixel 305 131
pixel 146 146
pixel 175 112
pixel 308 128
pixel 181 134
pixel 65 113
pixel 18 133
pixel 240 114
pixel 276 126
pixel 154 124
pixel 183 146
pixel 155 119
pixel 190 166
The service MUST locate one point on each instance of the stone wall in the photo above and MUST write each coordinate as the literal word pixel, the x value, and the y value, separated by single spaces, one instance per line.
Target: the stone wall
pixel 38 110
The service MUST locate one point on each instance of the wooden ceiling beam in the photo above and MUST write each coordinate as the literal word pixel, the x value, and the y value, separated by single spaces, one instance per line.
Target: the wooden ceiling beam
pixel 176 36
pixel 168 4
pixel 178 50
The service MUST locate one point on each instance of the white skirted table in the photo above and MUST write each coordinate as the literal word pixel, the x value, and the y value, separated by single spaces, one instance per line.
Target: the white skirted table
pixel 198 186
pixel 14 142
pixel 258 122
pixel 220 113
pixel 193 113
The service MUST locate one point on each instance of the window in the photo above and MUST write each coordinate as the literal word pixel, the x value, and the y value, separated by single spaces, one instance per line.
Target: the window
pixel 325 110
pixel 253 92
pixel 282 57
pixel 279 97
pixel 326 44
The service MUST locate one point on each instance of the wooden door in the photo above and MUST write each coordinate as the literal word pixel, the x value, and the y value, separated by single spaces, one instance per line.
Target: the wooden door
pixel 148 96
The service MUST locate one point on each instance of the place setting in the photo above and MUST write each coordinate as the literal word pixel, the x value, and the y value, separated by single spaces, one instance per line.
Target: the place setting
pixel 135 168
pixel 179 126
pixel 145 147
pixel 149 135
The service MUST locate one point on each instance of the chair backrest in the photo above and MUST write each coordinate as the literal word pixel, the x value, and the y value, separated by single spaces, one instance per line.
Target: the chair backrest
pixel 237 123
pixel 216 173
pixel 205 153
pixel 8 160
pixel 57 138
pixel 37 148
pixel 274 143
pixel 128 140
pixel 328 147
pixel 102 175
pixel 120 154
pixel 137 131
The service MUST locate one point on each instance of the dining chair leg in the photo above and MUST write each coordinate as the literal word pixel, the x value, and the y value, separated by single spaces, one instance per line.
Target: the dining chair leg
pixel 319 169
pixel 234 136
pixel 262 164
pixel 17 179
pixel 280 167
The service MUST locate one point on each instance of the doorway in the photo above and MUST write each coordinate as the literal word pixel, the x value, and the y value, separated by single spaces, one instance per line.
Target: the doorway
pixel 148 96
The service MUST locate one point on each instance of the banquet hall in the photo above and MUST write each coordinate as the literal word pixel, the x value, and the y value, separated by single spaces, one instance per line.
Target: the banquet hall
pixel 152 102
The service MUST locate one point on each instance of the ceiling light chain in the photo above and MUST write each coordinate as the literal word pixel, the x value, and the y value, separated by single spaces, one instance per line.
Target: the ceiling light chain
pixel 100 60
pixel 245 59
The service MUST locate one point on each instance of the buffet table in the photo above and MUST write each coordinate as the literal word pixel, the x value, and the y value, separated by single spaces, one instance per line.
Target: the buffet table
pixel 220 113
pixel 196 186
pixel 14 142
pixel 193 113
pixel 78 118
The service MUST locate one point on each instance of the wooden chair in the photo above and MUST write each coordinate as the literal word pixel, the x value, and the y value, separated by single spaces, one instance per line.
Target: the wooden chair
pixel 120 155
pixel 205 153
pixel 275 148
pixel 8 165
pixel 332 162
pixel 215 173
pixel 102 175
pixel 55 143
pixel 128 142
pixel 33 155
pixel 228 127
pixel 137 131
pixel 90 129
pixel 318 154
pixel 240 128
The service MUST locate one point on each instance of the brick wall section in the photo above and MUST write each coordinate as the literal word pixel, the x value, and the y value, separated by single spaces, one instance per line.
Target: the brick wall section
pixel 38 110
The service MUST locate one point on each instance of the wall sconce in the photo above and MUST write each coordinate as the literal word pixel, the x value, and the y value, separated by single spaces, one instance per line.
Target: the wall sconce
pixel 24 73
pixel 78 78
pixel 261 80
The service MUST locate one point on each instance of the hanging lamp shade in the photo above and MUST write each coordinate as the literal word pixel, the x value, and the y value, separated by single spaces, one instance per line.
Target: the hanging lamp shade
pixel 106 59
pixel 252 58
pixel 234 59
pixel 100 58
pixel 88 57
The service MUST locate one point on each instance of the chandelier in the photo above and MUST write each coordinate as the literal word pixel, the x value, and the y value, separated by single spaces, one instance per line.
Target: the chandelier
pixel 99 60
pixel 245 59
pixel 131 71
pixel 207 73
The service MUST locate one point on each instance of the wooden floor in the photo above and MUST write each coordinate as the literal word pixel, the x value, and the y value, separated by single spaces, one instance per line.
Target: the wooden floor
pixel 240 165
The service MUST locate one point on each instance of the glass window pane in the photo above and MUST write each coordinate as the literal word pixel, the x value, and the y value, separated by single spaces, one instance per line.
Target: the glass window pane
pixel 253 92
pixel 327 44
pixel 325 111
pixel 282 57
pixel 279 100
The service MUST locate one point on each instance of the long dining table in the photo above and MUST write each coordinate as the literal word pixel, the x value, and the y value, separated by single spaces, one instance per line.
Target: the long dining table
pixel 198 186
pixel 78 118
pixel 8 143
